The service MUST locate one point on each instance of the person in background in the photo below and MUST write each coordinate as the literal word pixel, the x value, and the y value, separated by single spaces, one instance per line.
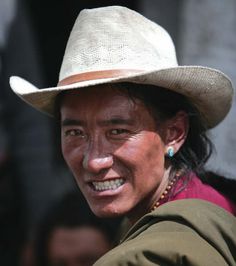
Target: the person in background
pixel 71 235
pixel 134 134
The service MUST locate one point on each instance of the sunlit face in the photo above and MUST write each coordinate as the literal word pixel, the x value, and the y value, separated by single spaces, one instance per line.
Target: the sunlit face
pixel 114 149
pixel 80 246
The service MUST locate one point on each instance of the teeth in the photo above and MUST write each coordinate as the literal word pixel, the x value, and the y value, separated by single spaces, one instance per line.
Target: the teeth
pixel 106 185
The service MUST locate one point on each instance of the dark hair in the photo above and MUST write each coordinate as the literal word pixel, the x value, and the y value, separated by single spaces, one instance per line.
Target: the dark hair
pixel 71 211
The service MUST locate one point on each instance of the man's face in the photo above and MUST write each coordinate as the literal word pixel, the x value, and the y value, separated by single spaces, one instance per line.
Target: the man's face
pixel 114 150
pixel 80 246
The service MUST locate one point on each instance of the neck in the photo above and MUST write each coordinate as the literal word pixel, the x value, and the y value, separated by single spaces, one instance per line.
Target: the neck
pixel 147 204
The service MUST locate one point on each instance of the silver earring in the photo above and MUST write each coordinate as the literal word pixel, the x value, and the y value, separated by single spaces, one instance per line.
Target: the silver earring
pixel 170 152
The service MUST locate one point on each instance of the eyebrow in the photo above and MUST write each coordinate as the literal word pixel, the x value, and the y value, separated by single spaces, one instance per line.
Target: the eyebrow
pixel 70 122
pixel 109 122
pixel 116 121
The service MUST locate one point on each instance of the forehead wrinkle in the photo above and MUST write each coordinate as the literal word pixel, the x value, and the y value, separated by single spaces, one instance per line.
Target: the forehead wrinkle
pixel 104 111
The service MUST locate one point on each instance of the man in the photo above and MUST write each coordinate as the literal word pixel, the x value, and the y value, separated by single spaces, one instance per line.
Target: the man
pixel 133 130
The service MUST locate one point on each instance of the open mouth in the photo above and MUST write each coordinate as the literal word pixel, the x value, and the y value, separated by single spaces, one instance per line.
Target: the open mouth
pixel 107 185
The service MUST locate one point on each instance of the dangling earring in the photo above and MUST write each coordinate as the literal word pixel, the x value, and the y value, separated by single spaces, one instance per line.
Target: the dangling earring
pixel 170 152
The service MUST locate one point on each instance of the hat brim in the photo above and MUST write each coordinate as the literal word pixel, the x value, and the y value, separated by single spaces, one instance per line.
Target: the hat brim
pixel 208 89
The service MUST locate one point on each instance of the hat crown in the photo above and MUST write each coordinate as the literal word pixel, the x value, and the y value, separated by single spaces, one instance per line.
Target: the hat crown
pixel 116 37
pixel 115 44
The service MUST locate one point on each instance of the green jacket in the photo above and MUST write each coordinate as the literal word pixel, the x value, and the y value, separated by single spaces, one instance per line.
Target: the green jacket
pixel 182 232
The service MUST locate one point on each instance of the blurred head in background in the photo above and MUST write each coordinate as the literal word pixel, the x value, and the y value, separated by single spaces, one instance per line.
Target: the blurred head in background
pixel 71 235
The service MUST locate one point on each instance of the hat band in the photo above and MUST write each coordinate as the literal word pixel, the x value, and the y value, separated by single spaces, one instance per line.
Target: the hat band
pixel 102 74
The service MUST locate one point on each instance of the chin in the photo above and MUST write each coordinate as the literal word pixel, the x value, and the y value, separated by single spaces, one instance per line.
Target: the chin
pixel 107 212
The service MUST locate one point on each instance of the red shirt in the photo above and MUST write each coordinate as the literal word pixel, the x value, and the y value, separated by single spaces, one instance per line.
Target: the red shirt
pixel 196 189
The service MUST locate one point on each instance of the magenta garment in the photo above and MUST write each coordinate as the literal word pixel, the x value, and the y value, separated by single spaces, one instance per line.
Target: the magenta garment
pixel 196 189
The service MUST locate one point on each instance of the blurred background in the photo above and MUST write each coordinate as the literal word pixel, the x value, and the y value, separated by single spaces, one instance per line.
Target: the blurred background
pixel 33 36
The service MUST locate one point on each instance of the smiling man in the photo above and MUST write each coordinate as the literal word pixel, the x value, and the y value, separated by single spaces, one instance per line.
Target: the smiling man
pixel 111 143
pixel 134 133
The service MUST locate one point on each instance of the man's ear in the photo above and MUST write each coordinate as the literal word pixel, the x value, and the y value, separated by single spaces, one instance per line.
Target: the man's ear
pixel 176 130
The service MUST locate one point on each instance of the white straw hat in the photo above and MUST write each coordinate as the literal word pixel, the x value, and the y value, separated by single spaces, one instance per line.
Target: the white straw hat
pixel 116 44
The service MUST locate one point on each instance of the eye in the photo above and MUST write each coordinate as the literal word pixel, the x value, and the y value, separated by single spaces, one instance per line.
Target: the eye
pixel 74 132
pixel 118 131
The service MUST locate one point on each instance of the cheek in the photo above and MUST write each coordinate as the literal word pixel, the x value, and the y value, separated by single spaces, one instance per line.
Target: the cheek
pixel 73 155
pixel 155 151
pixel 143 152
pixel 66 150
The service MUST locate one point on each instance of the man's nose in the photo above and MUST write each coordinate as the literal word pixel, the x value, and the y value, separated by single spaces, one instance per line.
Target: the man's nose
pixel 96 158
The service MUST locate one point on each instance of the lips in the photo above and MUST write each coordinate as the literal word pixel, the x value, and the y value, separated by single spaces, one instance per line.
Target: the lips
pixel 108 184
